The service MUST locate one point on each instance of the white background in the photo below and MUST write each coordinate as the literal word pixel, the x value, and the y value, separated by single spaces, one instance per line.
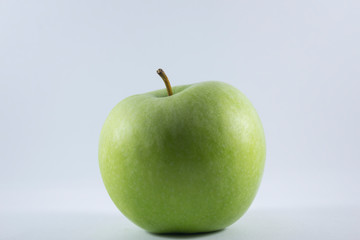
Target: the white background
pixel 65 64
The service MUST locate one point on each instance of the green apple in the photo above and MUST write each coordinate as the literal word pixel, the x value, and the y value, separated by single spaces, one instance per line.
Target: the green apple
pixel 185 161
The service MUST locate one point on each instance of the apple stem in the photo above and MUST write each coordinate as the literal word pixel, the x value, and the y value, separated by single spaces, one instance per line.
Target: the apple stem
pixel 166 81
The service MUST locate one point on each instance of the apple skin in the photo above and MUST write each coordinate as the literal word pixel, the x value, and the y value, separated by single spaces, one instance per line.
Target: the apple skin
pixel 187 163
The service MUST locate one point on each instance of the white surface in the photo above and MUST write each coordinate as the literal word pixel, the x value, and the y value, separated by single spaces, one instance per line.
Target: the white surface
pixel 65 64
pixel 280 224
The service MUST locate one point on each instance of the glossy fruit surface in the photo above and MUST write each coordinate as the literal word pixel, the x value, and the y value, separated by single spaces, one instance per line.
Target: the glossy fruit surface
pixel 190 162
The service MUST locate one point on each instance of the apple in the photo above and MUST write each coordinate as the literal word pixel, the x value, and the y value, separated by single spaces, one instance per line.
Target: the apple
pixel 187 159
